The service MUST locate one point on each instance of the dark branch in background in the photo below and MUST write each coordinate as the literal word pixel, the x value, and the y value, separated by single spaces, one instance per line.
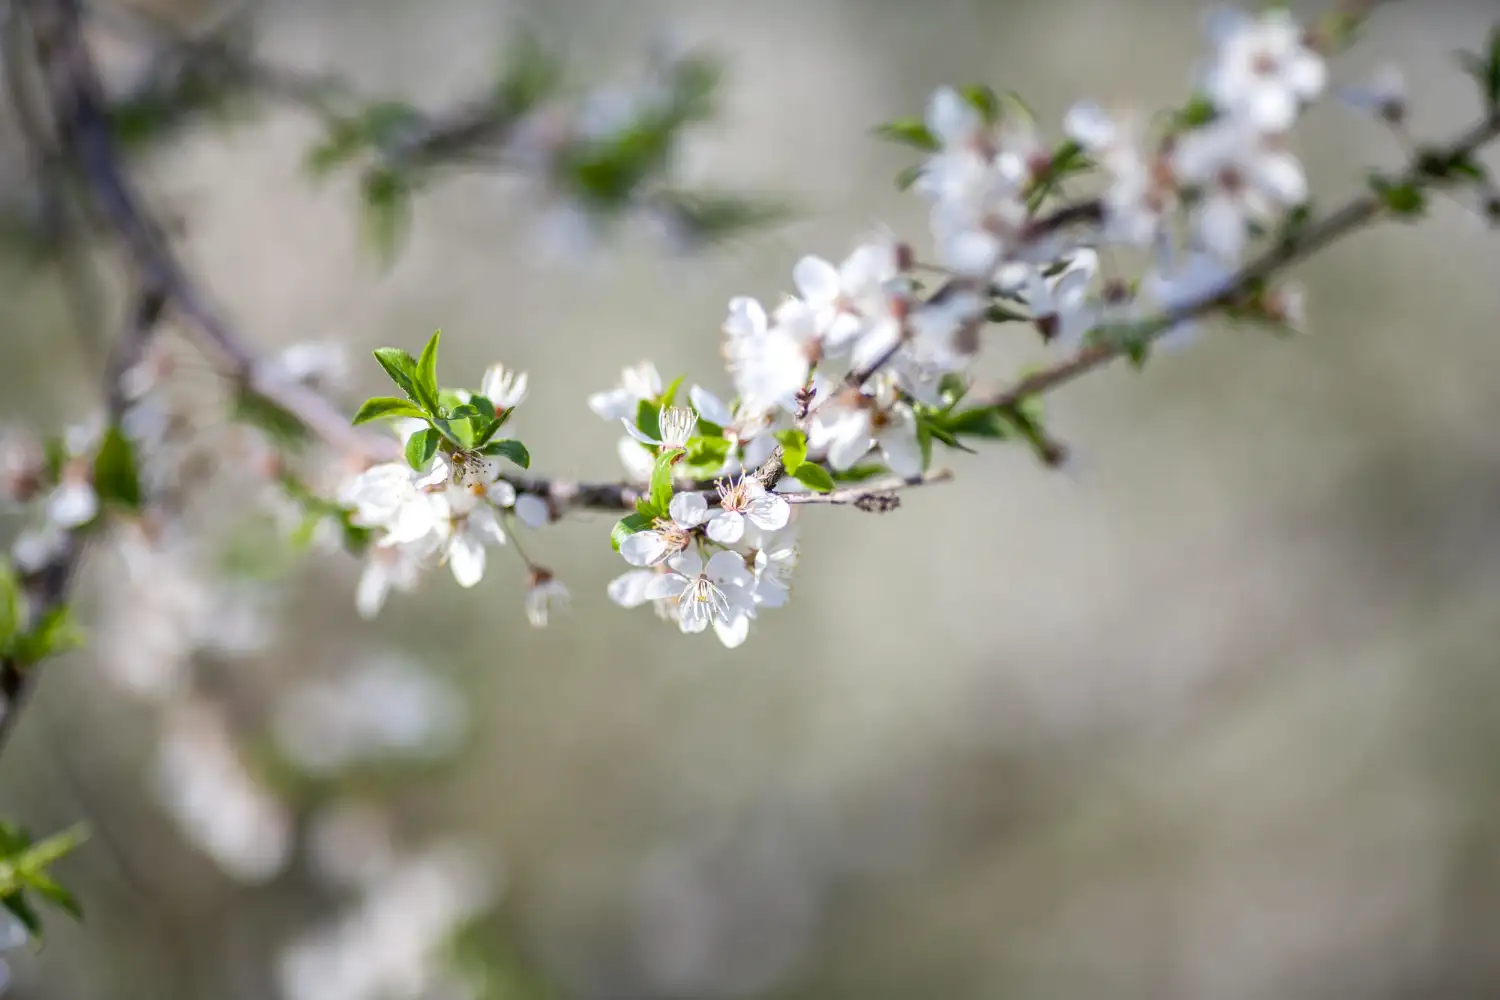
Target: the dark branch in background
pixel 47 587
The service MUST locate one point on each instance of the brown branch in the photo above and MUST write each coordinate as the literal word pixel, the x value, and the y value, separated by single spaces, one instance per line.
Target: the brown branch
pixel 875 495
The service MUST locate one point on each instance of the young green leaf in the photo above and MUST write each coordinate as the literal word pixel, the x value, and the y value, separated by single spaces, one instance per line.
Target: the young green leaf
pixel 909 132
pixel 813 476
pixel 661 481
pixel 793 449
pixel 627 526
pixel 426 376
pixel 402 369
pixel 421 446
pixel 384 407
pixel 648 419
pixel 987 422
pixel 670 396
pixel 54 633
pixel 1405 200
pixel 510 449
pixel 115 476
pixel 984 100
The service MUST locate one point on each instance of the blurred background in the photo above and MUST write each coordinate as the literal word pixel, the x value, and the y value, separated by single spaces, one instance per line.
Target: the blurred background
pixel 1214 713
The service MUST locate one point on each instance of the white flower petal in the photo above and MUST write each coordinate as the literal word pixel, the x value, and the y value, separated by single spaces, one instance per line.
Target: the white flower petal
pixel 688 509
pixel 817 280
pixel 633 589
pixel 950 117
pixel 732 633
pixel 466 559
pixel 769 513
pixel 1089 125
pixel 687 564
pixel 710 407
pixel 726 527
pixel 644 548
pixel 614 404
pixel 533 511
pixel 727 568
pixel 637 433
pixel 374 585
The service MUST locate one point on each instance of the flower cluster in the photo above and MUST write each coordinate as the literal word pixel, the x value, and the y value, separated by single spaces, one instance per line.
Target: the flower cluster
pixel 444 503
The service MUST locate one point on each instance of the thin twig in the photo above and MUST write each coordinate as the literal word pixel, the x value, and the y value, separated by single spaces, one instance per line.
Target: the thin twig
pixel 1353 216
pixel 878 495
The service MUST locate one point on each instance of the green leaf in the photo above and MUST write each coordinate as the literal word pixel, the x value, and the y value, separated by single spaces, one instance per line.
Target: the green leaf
pixel 705 217
pixel 924 442
pixel 1400 199
pixel 509 449
pixel 1195 114
pixel 54 633
pixel 859 473
pixel 11 608
pixel 426 376
pixel 627 526
pixel 987 422
pixel 1067 160
pixel 648 419
pixel 661 482
pixel 793 449
pixel 386 200
pixel 530 74
pixel 909 132
pixel 402 369
pixel 984 100
pixel 813 476
pixel 115 476
pixel 25 913
pixel 46 887
pixel 706 451
pixel 669 397
pixel 421 446
pixel 1485 69
pixel 384 407
pixel 908 176
pixel 44 853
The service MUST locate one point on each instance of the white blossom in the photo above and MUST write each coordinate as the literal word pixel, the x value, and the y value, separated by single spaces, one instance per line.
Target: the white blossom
pixel 1060 305
pixel 677 426
pixel 638 382
pixel 1263 71
pixel 1139 195
pixel 407 505
pixel 471 525
pixel 716 593
pixel 667 536
pixel 1246 177
pixel 216 802
pixel 387 568
pixel 1383 95
pixel 73 502
pixel 545 595
pixel 503 387
pixel 851 423
pixel 772 367
pixel 741 501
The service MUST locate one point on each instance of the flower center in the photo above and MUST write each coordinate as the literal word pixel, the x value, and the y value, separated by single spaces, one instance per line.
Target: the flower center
pixel 673 535
pixel 735 495
pixel 703 601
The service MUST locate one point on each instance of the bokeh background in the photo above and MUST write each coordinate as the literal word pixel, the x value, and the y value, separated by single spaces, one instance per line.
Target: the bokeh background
pixel 1213 714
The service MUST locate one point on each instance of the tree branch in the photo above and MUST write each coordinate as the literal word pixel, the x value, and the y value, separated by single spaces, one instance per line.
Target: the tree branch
pixel 1353 216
